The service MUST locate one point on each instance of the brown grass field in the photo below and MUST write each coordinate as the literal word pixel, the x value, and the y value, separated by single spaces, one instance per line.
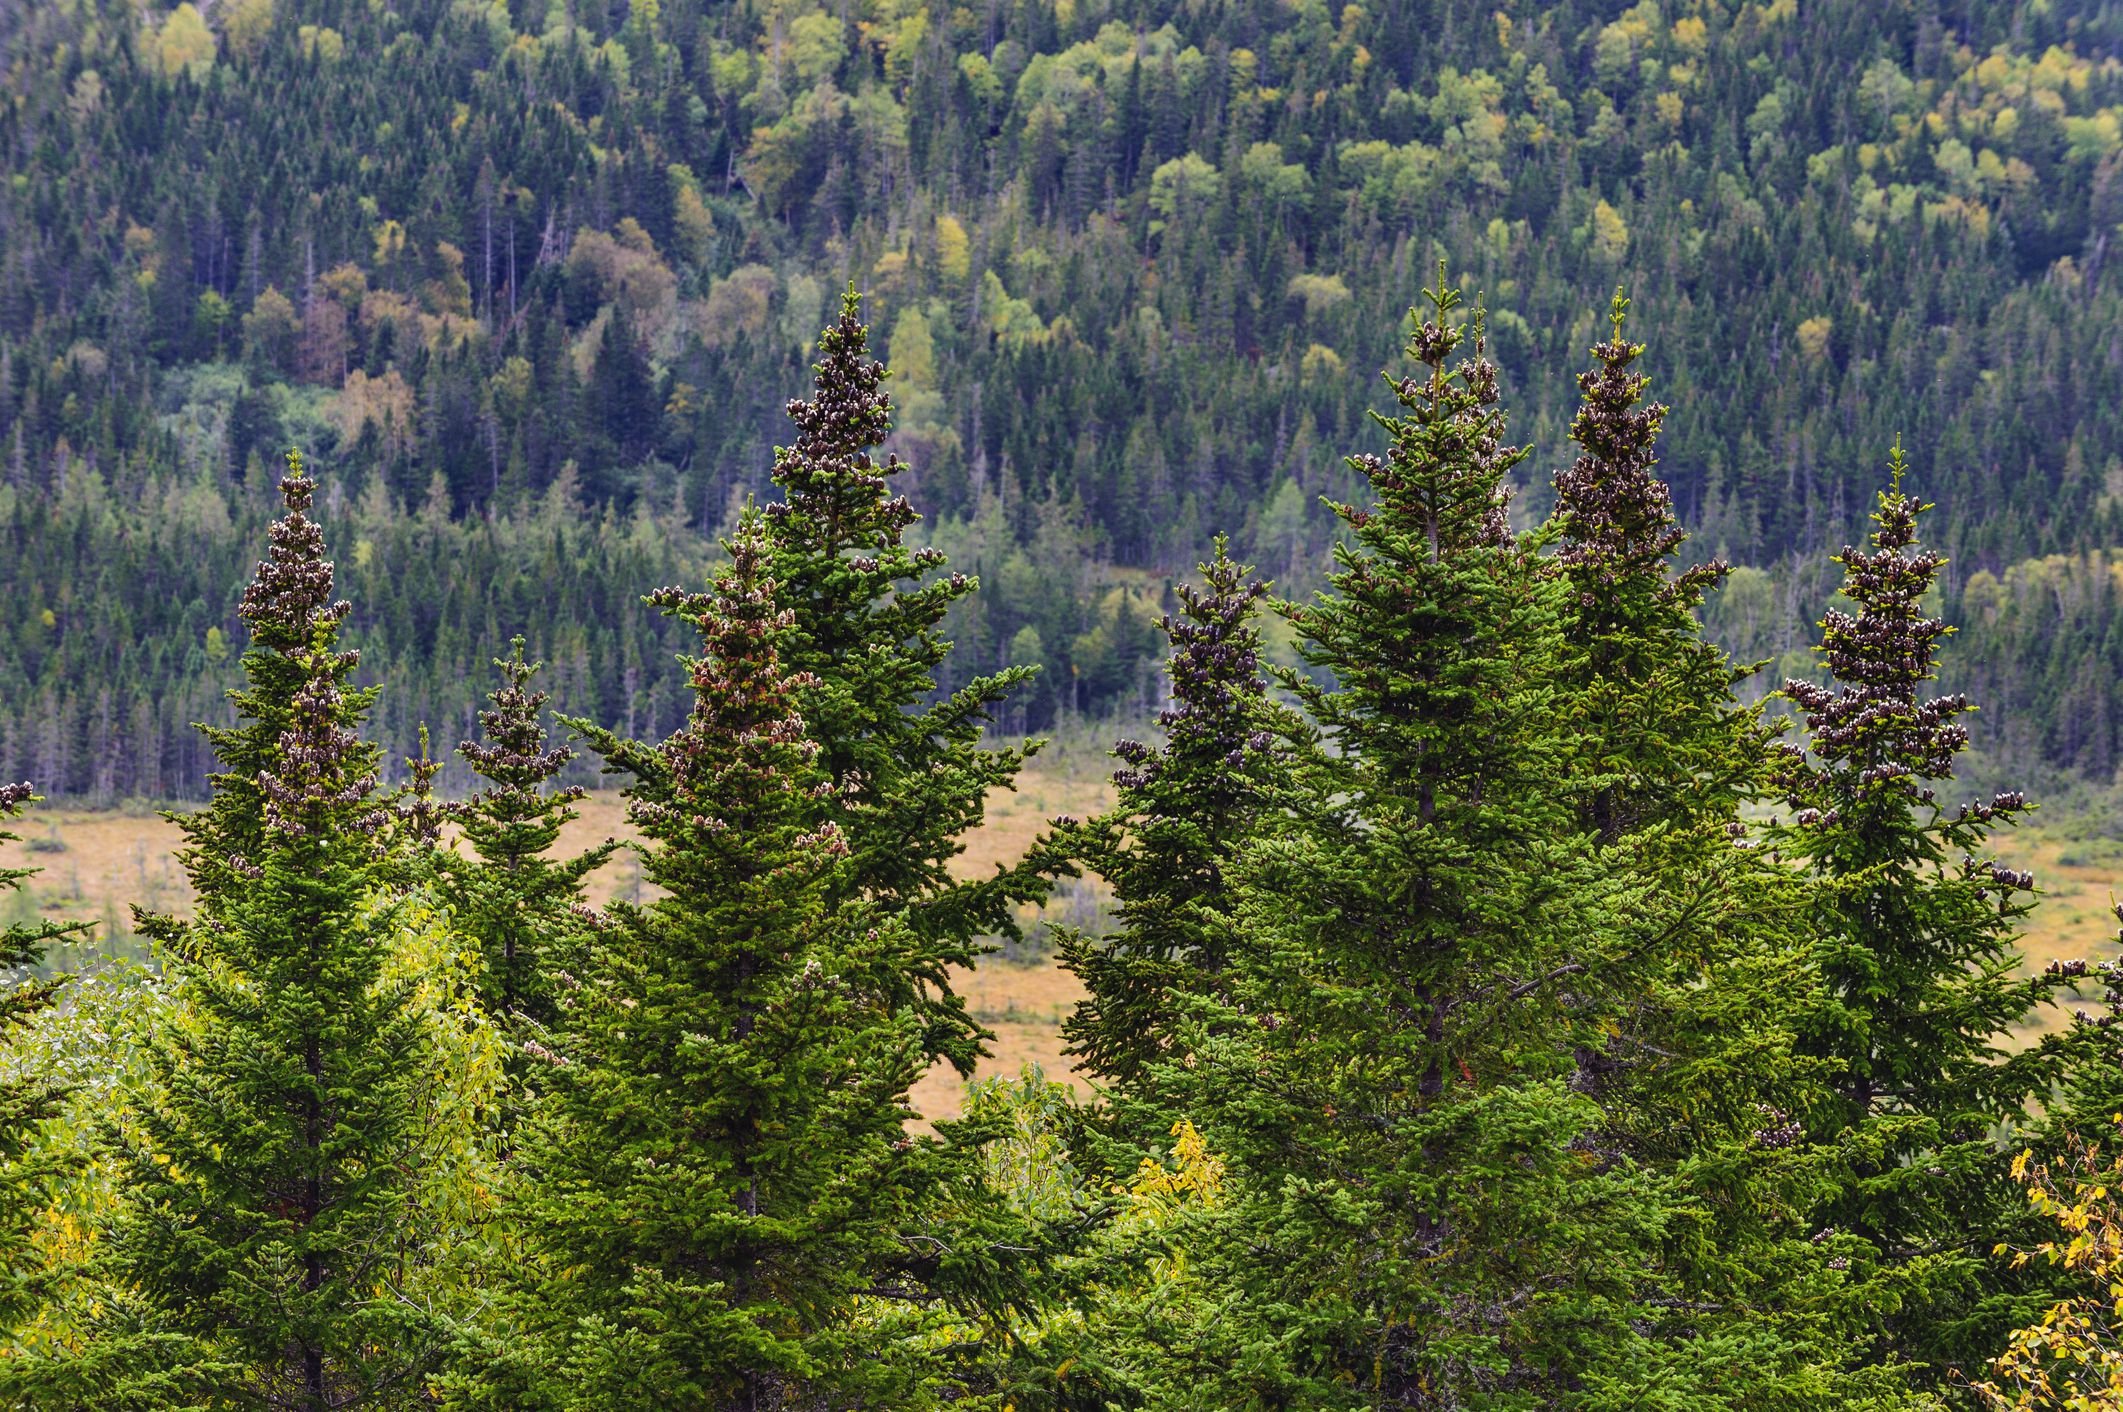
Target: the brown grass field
pixel 98 864
pixel 111 860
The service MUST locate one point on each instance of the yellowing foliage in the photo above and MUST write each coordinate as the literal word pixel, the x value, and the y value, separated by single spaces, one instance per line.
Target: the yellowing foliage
pixel 1813 337
pixel 245 24
pixel 954 255
pixel 913 350
pixel 1609 234
pixel 2072 1360
pixel 386 403
pixel 185 44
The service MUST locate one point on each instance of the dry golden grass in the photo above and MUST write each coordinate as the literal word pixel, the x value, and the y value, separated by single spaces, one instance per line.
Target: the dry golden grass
pixel 113 860
pixel 2077 878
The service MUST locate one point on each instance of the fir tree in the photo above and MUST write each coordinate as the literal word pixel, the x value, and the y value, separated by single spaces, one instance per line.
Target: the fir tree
pixel 1422 1209
pixel 518 904
pixel 1184 808
pixel 271 1218
pixel 1659 735
pixel 26 1100
pixel 1913 925
pixel 1700 989
pixel 909 775
pixel 721 1168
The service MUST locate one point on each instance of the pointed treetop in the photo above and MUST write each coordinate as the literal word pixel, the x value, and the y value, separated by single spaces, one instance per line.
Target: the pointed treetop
pixel 1446 475
pixel 1615 513
pixel 1872 719
pixel 421 814
pixel 514 753
pixel 290 599
pixel 1215 670
pixel 737 760
pixel 829 471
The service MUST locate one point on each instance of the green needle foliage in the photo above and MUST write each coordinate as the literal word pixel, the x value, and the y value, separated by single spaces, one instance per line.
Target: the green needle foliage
pixel 519 904
pixel 1382 1069
pixel 721 1173
pixel 273 1215
pixel 26 1099
pixel 1913 926
pixel 1383 957
pixel 909 775
pixel 1184 808
pixel 1693 1064
pixel 1658 733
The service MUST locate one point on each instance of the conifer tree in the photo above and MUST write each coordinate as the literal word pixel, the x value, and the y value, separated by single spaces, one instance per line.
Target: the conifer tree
pixel 25 1100
pixel 1913 925
pixel 1702 989
pixel 271 1217
pixel 518 904
pixel 1374 1070
pixel 1421 1210
pixel 720 1168
pixel 1184 809
pixel 1658 733
pixel 909 775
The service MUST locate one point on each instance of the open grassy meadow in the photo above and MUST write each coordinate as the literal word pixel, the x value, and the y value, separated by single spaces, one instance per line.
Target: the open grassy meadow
pixel 98 864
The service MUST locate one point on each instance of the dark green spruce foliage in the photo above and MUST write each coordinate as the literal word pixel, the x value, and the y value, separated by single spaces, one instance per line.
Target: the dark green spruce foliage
pixel 1184 808
pixel 1699 985
pixel 271 1216
pixel 908 776
pixel 722 1168
pixel 1425 1209
pixel 517 903
pixel 28 1099
pixel 1913 926
pixel 1658 734
pixel 1692 979
pixel 1381 1066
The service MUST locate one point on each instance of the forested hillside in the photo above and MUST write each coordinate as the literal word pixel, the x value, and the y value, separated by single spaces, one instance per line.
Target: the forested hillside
pixel 545 271
pixel 1500 1015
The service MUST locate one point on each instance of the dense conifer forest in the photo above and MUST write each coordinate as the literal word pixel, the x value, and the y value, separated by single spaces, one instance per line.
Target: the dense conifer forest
pixel 1497 1011
pixel 530 281
pixel 1561 951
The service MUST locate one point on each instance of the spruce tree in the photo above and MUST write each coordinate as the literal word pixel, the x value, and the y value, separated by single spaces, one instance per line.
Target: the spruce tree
pixel 720 1171
pixel 520 905
pixel 26 1100
pixel 1659 734
pixel 271 1218
pixel 1913 924
pixel 1184 808
pixel 909 774
pixel 1380 1069
pixel 1422 1209
pixel 1692 1063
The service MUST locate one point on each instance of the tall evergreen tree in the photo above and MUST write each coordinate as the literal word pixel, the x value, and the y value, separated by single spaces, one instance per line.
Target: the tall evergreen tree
pixel 1421 1209
pixel 26 1100
pixel 516 902
pixel 1693 1063
pixel 1914 926
pixel 1374 1070
pixel 909 775
pixel 272 1214
pixel 721 1172
pixel 1184 809
pixel 1659 737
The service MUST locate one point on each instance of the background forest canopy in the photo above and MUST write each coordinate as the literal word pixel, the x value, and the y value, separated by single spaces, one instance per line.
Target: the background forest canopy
pixel 532 279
